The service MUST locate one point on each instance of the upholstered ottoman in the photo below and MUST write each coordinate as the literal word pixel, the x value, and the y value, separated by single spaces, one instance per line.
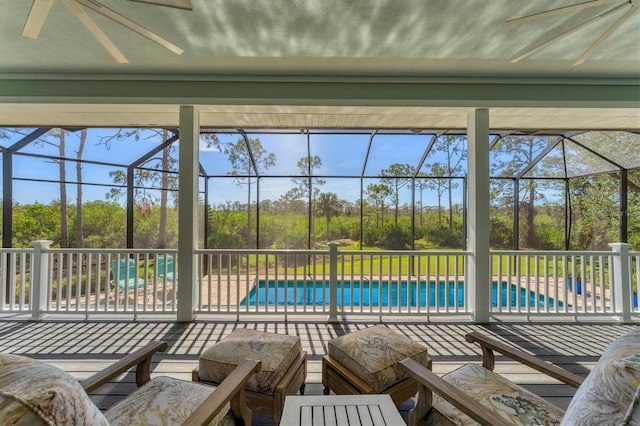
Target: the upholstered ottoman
pixel 283 372
pixel 366 362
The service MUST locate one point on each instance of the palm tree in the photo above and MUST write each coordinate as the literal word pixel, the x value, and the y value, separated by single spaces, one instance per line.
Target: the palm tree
pixel 328 205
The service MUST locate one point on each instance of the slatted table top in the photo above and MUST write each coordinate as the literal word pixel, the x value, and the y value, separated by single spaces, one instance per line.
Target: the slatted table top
pixel 340 410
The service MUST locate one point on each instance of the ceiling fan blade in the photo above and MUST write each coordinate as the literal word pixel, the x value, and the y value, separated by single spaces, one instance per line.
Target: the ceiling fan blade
pixel 116 17
pixel 179 4
pixel 565 34
pixel 571 8
pixel 95 30
pixel 37 15
pixel 606 35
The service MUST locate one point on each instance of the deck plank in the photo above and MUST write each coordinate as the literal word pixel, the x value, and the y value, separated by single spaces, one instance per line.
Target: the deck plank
pixel 84 347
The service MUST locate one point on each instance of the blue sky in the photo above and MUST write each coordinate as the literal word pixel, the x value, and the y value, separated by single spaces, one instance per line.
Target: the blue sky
pixel 341 154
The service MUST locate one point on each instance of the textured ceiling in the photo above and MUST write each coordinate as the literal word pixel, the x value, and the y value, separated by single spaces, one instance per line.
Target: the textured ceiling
pixel 360 37
pixel 302 41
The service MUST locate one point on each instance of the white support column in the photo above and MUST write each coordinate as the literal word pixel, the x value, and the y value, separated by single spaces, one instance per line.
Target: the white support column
pixel 479 264
pixel 188 211
pixel 39 278
pixel 621 281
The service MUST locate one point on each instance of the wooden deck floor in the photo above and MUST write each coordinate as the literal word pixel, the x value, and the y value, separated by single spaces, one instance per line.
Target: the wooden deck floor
pixel 84 347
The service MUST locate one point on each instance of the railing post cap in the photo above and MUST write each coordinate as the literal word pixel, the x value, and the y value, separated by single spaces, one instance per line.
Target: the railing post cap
pixel 42 243
pixel 333 244
pixel 619 245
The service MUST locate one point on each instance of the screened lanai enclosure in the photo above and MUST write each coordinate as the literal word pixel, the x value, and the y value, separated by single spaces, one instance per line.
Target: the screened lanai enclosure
pixel 299 189
pixel 366 222
pixel 330 159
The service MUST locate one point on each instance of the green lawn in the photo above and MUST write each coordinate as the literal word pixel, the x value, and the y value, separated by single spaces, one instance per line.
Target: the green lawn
pixel 372 264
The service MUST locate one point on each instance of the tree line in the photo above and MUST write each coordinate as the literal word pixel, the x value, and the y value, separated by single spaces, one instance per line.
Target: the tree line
pixel 388 220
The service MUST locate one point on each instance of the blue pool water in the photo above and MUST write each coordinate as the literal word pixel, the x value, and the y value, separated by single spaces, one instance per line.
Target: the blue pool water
pixel 374 293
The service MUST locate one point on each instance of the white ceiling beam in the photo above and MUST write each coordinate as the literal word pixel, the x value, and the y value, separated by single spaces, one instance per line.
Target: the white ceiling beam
pixel 561 93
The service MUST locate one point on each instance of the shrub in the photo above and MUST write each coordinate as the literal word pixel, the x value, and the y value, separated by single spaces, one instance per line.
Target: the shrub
pixel 396 237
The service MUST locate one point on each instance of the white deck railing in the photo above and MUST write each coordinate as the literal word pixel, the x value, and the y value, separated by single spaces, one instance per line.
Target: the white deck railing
pixel 106 281
pixel 287 282
pixel 566 282
pixel 15 268
pixel 558 282
pixel 328 282
pixel 87 281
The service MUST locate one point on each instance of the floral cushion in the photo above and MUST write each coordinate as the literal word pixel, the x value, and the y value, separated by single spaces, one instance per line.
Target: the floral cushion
pixel 32 392
pixel 633 414
pixel 16 413
pixel 609 391
pixel 163 401
pixel 373 355
pixel 515 404
pixel 276 351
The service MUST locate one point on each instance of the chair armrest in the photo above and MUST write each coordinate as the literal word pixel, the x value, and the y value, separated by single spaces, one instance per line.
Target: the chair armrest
pixel 140 358
pixel 429 382
pixel 230 390
pixel 488 345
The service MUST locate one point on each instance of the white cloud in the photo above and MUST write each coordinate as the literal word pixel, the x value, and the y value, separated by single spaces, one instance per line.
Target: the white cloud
pixel 204 146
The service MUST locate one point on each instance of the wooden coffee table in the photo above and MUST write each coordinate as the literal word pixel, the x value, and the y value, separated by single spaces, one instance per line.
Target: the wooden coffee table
pixel 341 410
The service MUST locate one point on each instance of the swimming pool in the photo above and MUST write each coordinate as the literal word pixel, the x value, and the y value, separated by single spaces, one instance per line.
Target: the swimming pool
pixel 376 293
